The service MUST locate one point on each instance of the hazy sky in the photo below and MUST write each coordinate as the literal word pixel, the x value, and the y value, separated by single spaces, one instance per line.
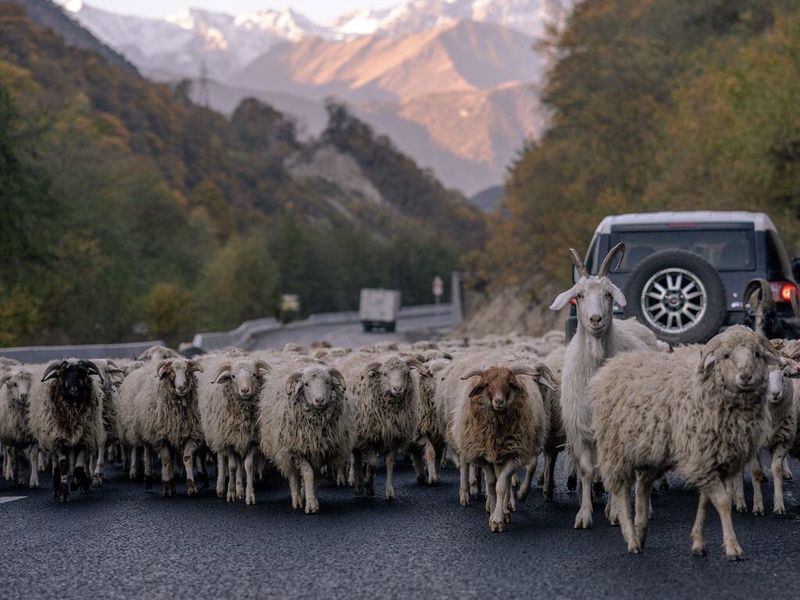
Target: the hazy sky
pixel 317 10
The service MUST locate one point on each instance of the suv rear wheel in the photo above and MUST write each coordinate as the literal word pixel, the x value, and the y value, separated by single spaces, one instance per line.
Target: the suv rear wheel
pixel 678 295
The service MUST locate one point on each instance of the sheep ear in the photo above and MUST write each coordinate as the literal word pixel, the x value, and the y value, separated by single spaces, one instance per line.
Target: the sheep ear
pixel 196 366
pixel 618 296
pixel 4 379
pixel 414 363
pixel 370 369
pixel 338 378
pixel 477 390
pixel 263 366
pixel 223 375
pixel 291 383
pixel 563 298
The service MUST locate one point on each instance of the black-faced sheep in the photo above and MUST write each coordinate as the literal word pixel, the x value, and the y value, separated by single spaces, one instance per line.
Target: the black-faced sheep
pixel 65 417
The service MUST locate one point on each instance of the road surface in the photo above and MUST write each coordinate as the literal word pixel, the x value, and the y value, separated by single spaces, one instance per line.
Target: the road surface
pixel 352 334
pixel 125 542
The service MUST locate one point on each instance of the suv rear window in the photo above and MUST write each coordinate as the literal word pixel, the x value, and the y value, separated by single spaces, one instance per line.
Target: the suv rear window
pixel 725 249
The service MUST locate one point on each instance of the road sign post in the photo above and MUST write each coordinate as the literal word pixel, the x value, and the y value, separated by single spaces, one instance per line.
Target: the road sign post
pixel 438 290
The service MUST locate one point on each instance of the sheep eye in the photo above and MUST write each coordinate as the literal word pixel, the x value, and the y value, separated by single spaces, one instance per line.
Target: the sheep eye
pixel 758 354
pixel 579 297
pixel 726 356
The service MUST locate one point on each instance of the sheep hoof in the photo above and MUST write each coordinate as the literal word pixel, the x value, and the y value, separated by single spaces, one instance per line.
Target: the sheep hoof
pixel 250 500
pixel 788 476
pixel 743 508
pixel 634 549
pixel 191 490
pixel 514 481
pixel 389 495
pixel 734 556
pixel 572 483
pixel 699 551
pixel 759 512
pixel 464 499
pixel 474 491
pixel 779 511
pixel 496 526
pixel 231 497
pixel 548 495
pixel 97 481
pixel 664 485
pixel 34 484
pixel 312 506
pixel 583 520
pixel 433 480
pixel 168 490
pixel 220 492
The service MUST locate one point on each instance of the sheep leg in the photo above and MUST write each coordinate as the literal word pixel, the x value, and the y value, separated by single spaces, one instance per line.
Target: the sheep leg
pixel 294 488
pixel 570 467
pixel 620 496
pixel 721 499
pixel 527 480
pixel 500 516
pixel 97 472
pixel 443 458
pixel 188 464
pixel 132 468
pixel 356 468
pixel 463 482
pixel 698 541
pixel 474 484
pixel 43 459
pixel 340 469
pixel 586 469
pixel 417 461
pixel 372 467
pixel 61 477
pixel 165 454
pixel 201 467
pixel 147 461
pixel 549 472
pixel 222 464
pixel 309 485
pixel 390 459
pixel 491 487
pixel 644 486
pixel 757 478
pixel 81 478
pixel 737 491
pixel 430 463
pixel 778 458
pixel 250 491
pixel 787 472
pixel 33 460
pixel 19 460
pixel 232 475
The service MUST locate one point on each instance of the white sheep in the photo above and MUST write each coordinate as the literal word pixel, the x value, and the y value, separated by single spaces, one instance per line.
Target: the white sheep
pixel 158 408
pixel 598 337
pixel 111 376
pixel 66 419
pixel 305 423
pixel 385 408
pixel 783 409
pixel 15 434
pixel 700 413
pixel 158 353
pixel 228 395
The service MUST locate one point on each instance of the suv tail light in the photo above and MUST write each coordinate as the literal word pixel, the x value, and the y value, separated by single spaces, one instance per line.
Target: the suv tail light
pixel 783 291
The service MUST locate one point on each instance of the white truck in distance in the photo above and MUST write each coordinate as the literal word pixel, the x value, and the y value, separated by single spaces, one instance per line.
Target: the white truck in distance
pixel 377 309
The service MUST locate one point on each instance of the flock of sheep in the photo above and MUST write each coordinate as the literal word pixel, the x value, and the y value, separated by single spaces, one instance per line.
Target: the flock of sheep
pixel 626 408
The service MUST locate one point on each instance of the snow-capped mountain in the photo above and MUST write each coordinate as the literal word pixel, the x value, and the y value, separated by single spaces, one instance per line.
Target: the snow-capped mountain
pixel 415 16
pixel 452 81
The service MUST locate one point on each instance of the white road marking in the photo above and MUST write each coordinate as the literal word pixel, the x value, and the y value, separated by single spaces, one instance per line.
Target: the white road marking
pixel 4 499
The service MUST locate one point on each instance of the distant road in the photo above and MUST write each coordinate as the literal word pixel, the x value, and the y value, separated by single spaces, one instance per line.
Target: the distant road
pixel 352 334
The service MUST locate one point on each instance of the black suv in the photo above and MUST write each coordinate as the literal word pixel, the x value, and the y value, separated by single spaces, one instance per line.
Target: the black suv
pixel 685 274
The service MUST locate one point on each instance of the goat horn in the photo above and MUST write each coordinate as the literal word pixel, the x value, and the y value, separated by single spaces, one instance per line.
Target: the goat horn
pixel 582 270
pixel 606 264
pixel 222 371
pixel 262 365
pixel 473 373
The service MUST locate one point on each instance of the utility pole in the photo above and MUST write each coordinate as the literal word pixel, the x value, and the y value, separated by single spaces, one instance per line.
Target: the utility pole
pixel 204 98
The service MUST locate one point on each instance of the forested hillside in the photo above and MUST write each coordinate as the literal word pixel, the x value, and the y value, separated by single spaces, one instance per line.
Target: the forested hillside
pixel 127 210
pixel 656 105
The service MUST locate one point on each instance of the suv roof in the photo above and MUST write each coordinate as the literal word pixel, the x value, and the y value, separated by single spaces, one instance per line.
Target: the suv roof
pixel 760 221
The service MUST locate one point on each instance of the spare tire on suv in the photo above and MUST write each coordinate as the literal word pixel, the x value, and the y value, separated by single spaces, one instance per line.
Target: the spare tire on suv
pixel 678 295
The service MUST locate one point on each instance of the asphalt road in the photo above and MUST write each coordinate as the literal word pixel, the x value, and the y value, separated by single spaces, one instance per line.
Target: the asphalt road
pixel 125 542
pixel 352 334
